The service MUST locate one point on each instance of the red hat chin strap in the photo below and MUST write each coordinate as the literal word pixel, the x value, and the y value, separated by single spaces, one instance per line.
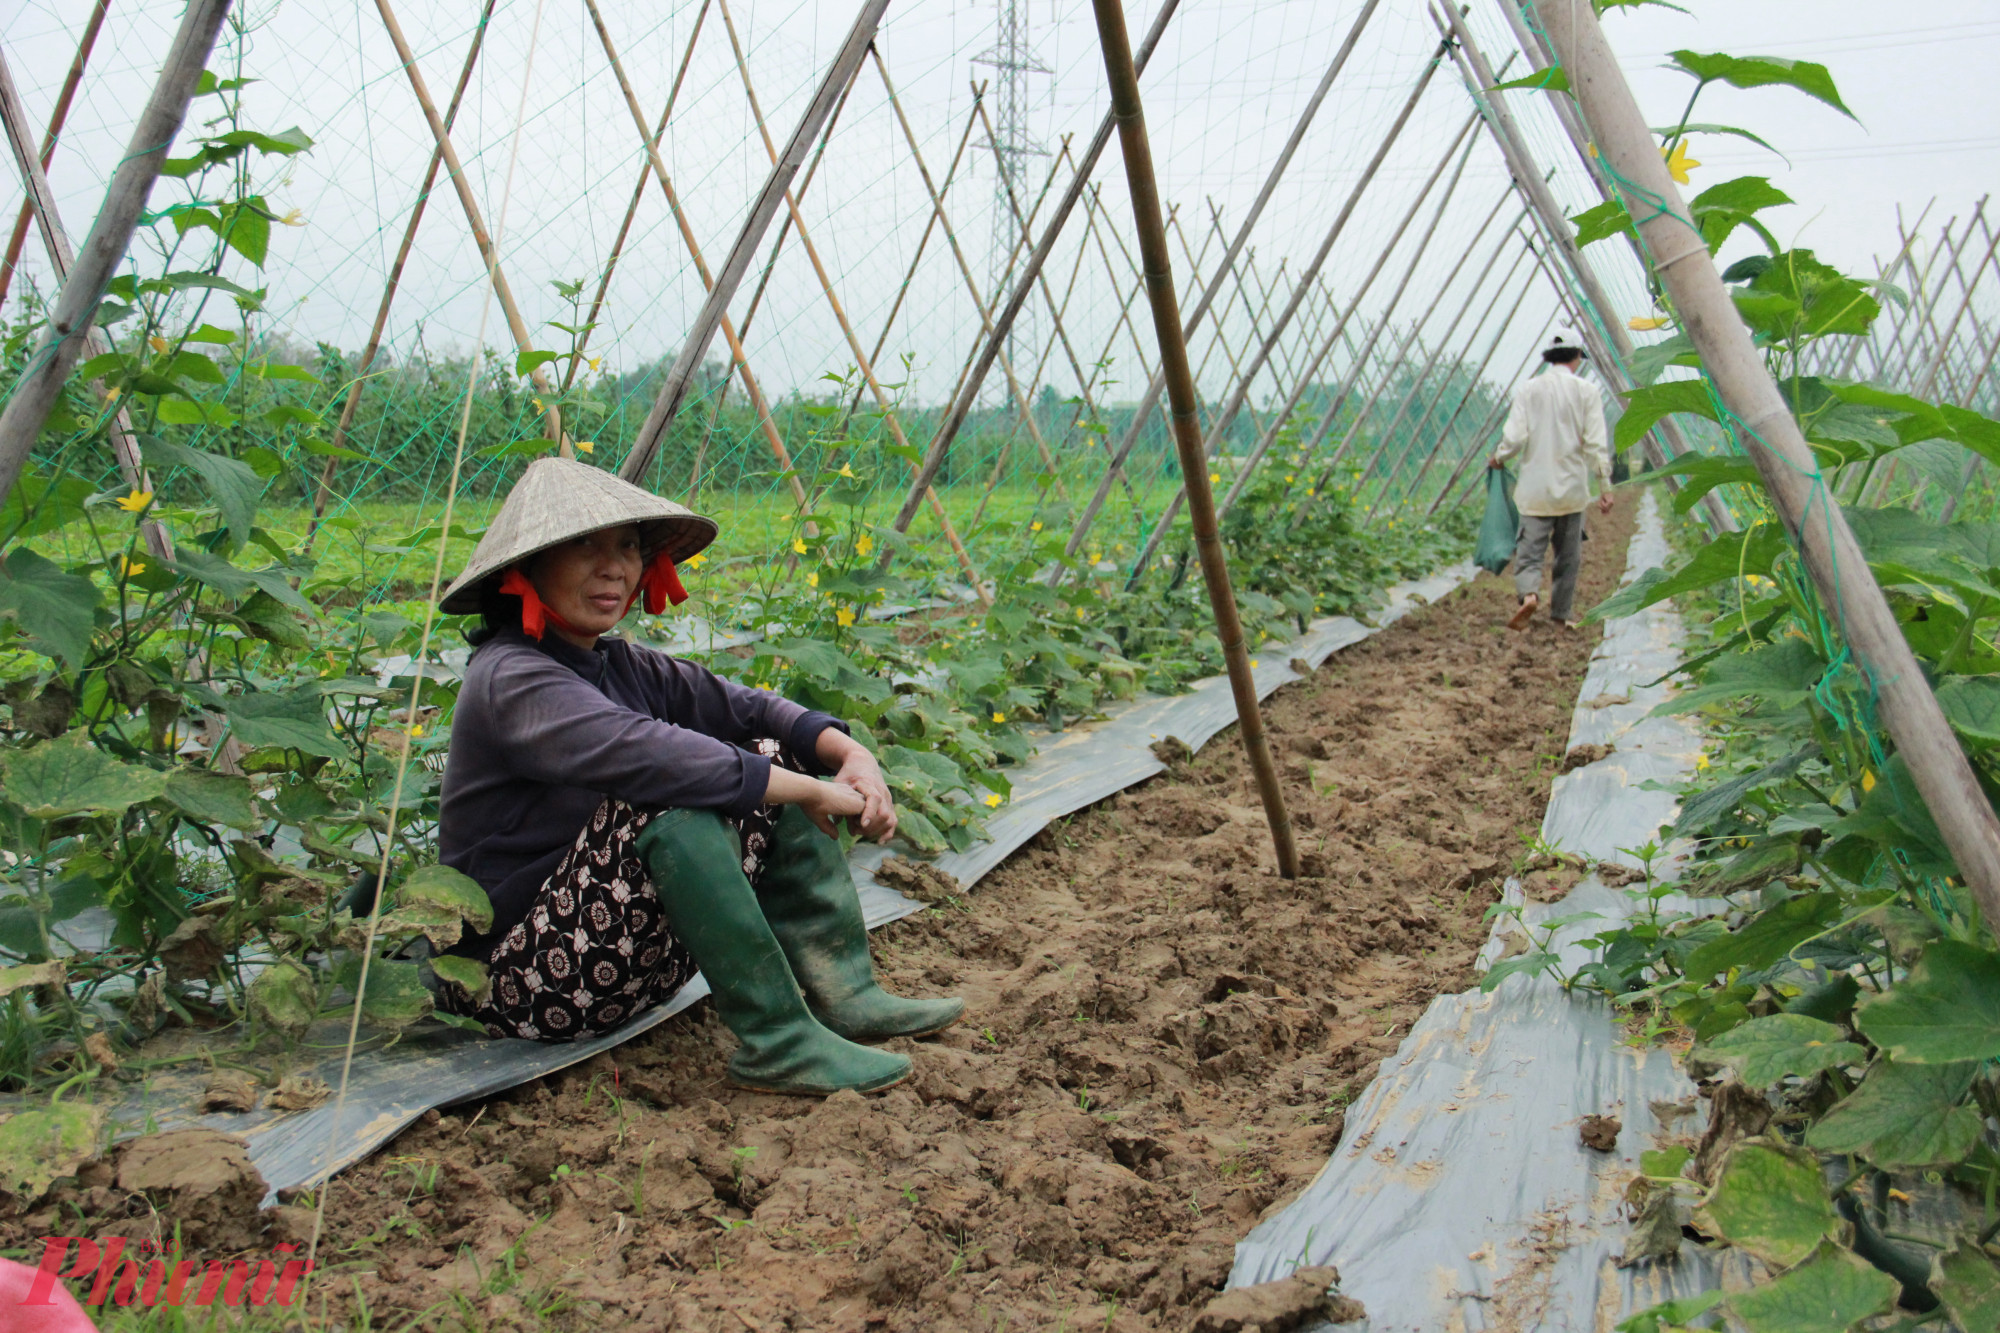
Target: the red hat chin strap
pixel 536 615
pixel 660 584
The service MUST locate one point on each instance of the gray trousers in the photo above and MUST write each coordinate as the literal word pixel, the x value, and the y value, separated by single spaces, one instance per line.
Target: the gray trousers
pixel 1566 531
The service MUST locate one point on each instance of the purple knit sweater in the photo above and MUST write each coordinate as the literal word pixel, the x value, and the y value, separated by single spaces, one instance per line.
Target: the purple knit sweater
pixel 544 731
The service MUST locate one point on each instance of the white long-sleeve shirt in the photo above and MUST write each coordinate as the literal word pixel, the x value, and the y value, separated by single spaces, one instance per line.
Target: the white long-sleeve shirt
pixel 1556 427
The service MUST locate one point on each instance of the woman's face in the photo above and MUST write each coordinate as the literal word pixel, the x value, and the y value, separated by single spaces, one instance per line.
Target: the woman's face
pixel 589 580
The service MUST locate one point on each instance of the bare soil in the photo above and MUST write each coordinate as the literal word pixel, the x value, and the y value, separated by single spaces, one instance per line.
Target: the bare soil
pixel 1161 1041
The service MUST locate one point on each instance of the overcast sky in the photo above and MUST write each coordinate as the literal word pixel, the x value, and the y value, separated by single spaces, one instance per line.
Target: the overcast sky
pixel 1225 90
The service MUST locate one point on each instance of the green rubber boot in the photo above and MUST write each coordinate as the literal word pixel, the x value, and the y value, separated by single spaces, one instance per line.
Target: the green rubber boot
pixel 808 897
pixel 697 869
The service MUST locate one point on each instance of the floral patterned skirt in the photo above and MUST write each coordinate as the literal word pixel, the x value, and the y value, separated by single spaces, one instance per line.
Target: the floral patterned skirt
pixel 596 949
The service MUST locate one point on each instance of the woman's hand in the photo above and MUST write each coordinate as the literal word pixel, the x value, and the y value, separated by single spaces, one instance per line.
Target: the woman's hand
pixel 857 771
pixel 823 802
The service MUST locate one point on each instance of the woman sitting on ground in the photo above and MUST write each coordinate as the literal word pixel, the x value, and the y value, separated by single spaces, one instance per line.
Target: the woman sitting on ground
pixel 634 817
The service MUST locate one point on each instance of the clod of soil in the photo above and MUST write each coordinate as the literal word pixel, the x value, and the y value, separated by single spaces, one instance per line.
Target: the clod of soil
pixel 1600 1132
pixel 1161 1040
pixel 1278 1307
pixel 197 1180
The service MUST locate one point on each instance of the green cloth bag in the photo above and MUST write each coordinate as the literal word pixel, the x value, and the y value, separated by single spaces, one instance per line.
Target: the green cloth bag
pixel 1501 528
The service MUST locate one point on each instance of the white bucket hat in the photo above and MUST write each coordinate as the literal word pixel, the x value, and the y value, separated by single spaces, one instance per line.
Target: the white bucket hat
pixel 1565 340
pixel 560 498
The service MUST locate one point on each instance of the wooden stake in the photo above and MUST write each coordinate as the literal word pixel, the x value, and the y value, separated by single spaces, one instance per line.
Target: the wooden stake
pixel 57 119
pixel 323 496
pixel 70 320
pixel 1771 436
pixel 1138 153
pixel 763 211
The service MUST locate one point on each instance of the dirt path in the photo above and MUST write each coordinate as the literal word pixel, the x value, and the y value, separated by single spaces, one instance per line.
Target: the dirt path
pixel 1161 1041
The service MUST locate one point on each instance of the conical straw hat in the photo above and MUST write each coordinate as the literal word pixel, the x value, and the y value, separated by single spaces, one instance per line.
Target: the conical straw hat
pixel 560 498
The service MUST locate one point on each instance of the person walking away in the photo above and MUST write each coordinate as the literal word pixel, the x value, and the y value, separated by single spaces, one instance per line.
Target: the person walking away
pixel 1556 428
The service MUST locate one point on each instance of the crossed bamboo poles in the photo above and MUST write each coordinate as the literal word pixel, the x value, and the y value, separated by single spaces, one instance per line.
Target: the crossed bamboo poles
pixel 1297 324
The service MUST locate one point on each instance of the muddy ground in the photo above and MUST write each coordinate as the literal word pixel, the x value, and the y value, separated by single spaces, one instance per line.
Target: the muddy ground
pixel 1161 1041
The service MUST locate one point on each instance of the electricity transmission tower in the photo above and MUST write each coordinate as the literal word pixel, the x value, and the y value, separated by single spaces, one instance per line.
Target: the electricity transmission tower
pixel 1012 59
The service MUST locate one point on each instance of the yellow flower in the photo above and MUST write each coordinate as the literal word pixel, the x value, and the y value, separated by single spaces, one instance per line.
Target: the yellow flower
pixel 993 801
pixel 763 684
pixel 1096 556
pixel 538 404
pixel 1701 761
pixel 844 617
pixel 157 343
pixel 416 730
pixel 596 361
pixel 999 717
pixel 863 544
pixel 1214 477
pixel 812 579
pixel 1590 148
pixel 695 561
pixel 1288 478
pixel 133 568
pixel 1867 779
pixel 1036 526
pixel 1645 323
pixel 295 218
pixel 846 470
pixel 798 545
pixel 137 502
pixel 111 394
pixel 1253 661
pixel 1311 491
pixel 1678 162
pixel 586 446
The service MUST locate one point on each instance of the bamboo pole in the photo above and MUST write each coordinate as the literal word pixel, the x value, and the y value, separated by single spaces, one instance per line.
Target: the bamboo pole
pixel 923 243
pixel 890 420
pixel 1326 349
pixel 524 341
pixel 1124 79
pixel 1219 428
pixel 763 210
pixel 62 342
pixel 1471 342
pixel 962 405
pixel 1772 438
pixel 638 195
pixel 739 360
pixel 1422 380
pixel 55 239
pixel 57 118
pixel 323 494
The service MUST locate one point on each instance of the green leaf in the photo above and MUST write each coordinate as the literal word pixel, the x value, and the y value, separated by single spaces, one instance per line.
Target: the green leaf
pixel 1665 131
pixel 247 231
pixel 1698 812
pixel 188 412
pixel 1777 675
pixel 1529 963
pixel 518 449
pixel 1829 1295
pixel 38 1145
pixel 214 798
pixel 1780 1045
pixel 286 719
pixel 396 996
pixel 460 894
pixel 285 997
pixel 192 366
pixel 1552 79
pixel 233 580
pixel 70 776
pixel 1705 472
pixel 314 445
pixel 57 609
pixel 1753 553
pixel 1644 407
pixel 1968 1282
pixel 279 370
pixel 464 972
pixel 1720 209
pixel 914 828
pixel 530 360
pixel 1606 220
pixel 284 143
pixel 235 486
pixel 1648 363
pixel 1770 1200
pixel 37 505
pixel 1764 71
pixel 208 333
pixel 1972 705
pixel 1946 1010
pixel 1904 1116
pixel 1799 296
pixel 1670 1315
pixel 1771 935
